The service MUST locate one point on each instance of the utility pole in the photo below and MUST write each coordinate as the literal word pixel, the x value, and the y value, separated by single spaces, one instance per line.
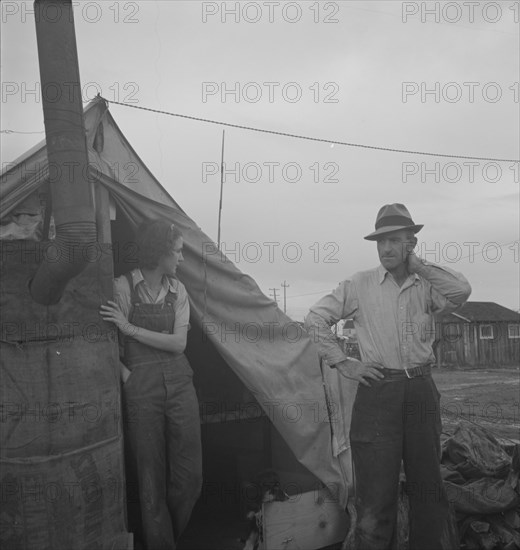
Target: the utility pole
pixel 285 285
pixel 274 294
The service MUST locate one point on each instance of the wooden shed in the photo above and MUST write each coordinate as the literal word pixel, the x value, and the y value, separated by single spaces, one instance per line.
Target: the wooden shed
pixel 479 334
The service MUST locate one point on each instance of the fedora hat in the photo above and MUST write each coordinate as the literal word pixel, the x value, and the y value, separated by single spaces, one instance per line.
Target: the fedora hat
pixel 393 217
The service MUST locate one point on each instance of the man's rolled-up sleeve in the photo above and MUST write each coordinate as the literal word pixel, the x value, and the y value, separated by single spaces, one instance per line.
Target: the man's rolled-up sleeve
pixel 449 289
pixel 182 309
pixel 122 295
pixel 333 307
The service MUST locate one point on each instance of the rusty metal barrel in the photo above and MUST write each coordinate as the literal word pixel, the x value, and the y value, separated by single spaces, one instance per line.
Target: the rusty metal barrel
pixel 61 463
pixel 62 471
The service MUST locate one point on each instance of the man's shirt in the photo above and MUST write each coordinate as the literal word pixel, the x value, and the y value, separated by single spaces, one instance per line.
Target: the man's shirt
pixel 123 297
pixel 394 325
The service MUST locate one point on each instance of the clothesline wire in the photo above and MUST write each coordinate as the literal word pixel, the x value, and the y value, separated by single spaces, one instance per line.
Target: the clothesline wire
pixel 287 134
pixel 308 138
pixel 20 132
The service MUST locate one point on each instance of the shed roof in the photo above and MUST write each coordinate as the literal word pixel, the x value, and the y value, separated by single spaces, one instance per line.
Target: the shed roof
pixel 485 311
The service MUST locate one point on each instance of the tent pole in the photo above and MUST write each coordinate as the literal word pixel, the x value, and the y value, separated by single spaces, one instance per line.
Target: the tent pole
pixel 221 188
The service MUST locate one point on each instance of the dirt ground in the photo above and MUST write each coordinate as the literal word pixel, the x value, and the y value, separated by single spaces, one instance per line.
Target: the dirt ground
pixel 488 397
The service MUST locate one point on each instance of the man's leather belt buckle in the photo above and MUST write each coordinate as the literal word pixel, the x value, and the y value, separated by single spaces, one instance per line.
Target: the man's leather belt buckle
pixel 417 371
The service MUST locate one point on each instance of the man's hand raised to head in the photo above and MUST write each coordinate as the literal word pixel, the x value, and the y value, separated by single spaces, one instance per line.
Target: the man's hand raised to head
pixel 413 262
pixel 361 372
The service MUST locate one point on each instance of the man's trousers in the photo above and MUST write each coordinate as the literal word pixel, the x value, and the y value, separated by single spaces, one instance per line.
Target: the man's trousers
pixel 398 419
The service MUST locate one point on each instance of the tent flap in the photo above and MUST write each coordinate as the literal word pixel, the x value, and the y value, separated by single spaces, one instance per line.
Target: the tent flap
pixel 271 354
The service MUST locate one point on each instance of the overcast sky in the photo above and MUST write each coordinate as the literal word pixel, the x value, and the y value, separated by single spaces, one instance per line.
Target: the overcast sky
pixel 438 77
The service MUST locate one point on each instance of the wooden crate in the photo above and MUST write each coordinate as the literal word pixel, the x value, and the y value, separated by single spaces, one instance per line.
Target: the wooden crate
pixel 307 521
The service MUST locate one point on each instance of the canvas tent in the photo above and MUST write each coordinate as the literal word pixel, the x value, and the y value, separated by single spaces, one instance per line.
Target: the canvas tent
pixel 269 353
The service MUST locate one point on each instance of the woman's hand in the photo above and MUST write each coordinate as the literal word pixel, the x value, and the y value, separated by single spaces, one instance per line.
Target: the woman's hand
pixel 176 343
pixel 113 314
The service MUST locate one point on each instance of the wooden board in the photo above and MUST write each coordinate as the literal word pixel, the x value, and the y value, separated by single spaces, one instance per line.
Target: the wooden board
pixel 307 521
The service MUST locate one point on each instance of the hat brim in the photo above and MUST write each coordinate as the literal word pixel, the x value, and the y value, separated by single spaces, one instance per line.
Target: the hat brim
pixel 389 229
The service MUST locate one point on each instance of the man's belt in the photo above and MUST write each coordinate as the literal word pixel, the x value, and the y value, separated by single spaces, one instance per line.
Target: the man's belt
pixel 412 372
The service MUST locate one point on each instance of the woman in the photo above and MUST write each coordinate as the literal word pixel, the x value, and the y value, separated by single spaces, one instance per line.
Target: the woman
pixel 151 311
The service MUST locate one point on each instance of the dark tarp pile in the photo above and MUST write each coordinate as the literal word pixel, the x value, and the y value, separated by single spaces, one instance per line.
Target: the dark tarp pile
pixel 482 482
pixel 274 358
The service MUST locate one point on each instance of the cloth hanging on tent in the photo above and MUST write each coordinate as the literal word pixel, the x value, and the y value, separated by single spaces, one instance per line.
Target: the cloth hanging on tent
pixel 279 365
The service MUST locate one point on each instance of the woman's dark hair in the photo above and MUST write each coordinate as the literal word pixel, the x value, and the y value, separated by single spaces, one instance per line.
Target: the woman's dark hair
pixel 155 238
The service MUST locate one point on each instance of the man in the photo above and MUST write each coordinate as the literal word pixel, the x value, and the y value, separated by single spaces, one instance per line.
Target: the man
pixel 396 413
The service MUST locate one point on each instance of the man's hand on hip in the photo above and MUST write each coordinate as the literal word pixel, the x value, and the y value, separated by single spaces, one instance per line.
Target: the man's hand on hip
pixel 361 372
